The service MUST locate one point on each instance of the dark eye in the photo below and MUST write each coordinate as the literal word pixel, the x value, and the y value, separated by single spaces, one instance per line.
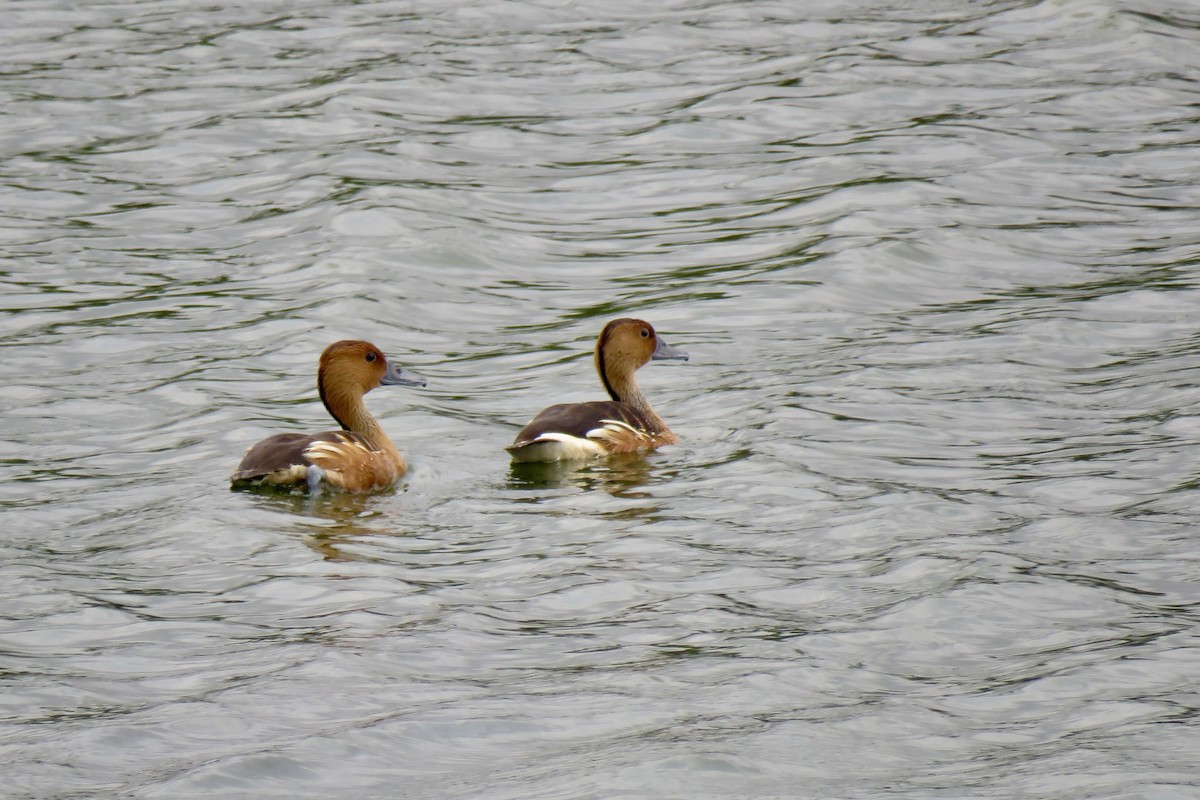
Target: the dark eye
pixel 370 357
pixel 645 333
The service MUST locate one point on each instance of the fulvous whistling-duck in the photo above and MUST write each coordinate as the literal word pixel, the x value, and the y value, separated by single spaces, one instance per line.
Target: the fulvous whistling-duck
pixel 624 424
pixel 358 458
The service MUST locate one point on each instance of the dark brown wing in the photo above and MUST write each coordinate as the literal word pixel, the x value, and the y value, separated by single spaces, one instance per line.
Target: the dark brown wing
pixel 580 419
pixel 285 451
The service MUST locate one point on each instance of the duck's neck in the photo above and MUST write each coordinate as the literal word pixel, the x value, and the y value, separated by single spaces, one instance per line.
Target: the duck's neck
pixel 352 414
pixel 621 385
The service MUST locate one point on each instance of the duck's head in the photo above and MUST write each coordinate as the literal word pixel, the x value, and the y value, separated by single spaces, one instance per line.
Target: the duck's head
pixel 625 345
pixel 358 367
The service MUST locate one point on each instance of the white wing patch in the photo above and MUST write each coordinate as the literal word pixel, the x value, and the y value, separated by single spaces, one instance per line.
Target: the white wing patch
pixel 345 451
pixel 285 477
pixel 615 428
pixel 558 447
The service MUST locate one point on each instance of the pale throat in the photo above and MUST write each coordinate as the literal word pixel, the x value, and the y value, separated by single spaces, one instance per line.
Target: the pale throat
pixel 618 378
pixel 349 410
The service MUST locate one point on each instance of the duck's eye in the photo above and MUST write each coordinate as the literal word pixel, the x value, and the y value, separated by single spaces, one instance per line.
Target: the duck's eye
pixel 645 333
pixel 370 358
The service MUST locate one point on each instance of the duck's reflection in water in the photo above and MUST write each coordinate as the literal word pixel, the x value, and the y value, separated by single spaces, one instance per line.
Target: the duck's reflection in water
pixel 619 475
pixel 328 520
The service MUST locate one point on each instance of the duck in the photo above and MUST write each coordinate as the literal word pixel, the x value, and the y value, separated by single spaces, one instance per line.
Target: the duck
pixel 624 424
pixel 358 458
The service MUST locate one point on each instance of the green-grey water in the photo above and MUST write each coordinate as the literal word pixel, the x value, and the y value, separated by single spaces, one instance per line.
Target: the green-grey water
pixel 931 530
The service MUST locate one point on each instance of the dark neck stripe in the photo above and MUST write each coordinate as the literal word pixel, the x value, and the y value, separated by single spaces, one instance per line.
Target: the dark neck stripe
pixel 325 402
pixel 603 370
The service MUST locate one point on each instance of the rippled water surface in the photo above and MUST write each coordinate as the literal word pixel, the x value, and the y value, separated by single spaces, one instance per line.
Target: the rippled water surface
pixel 932 527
